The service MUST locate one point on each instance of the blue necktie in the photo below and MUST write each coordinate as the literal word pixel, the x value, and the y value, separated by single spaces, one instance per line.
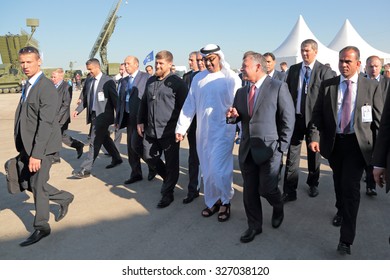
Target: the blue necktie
pixel 130 84
pixel 128 92
pixel 305 84
pixel 24 92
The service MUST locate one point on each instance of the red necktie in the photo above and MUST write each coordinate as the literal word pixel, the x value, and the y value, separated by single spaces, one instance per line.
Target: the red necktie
pixel 251 100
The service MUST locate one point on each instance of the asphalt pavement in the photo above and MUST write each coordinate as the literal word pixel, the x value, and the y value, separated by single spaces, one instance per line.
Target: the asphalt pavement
pixel 112 221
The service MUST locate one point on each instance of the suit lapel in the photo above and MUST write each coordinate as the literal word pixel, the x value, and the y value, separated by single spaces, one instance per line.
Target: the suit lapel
pixel 312 75
pixel 135 82
pixel 361 89
pixel 295 81
pixel 334 90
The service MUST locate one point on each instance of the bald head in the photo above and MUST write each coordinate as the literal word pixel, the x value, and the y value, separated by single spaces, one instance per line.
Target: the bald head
pixel 131 64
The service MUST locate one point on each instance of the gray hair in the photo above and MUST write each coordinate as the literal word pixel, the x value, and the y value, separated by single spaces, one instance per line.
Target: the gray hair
pixel 257 58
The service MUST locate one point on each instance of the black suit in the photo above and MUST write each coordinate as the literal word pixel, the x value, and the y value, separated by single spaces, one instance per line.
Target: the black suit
pixel 100 118
pixel 381 154
pixel 159 111
pixel 127 117
pixel 347 153
pixel 64 100
pixel 193 160
pixel 319 73
pixel 382 91
pixel 37 134
pixel 268 131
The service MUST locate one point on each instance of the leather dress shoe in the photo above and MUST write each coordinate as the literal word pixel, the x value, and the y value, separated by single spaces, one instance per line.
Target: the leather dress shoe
pixel 114 163
pixel 165 201
pixel 63 210
pixel 288 197
pixel 344 248
pixel 83 173
pixel 249 235
pixel 190 197
pixel 80 150
pixel 277 217
pixel 133 180
pixel 152 174
pixel 371 192
pixel 337 220
pixel 313 191
pixel 35 237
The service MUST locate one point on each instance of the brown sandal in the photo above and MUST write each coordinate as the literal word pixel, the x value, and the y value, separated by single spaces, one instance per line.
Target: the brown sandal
pixel 208 212
pixel 224 215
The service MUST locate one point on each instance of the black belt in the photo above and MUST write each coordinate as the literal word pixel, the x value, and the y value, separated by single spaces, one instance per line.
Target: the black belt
pixel 345 136
pixel 298 116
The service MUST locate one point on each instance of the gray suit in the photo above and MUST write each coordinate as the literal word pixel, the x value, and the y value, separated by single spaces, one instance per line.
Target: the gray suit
pixel 281 76
pixel 129 119
pixel 347 153
pixel 265 136
pixel 100 119
pixel 37 134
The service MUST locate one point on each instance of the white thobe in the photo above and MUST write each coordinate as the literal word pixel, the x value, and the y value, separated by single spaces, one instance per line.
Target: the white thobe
pixel 210 95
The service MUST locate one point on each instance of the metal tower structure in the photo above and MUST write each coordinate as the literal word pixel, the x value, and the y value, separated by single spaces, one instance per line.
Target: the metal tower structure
pixel 104 36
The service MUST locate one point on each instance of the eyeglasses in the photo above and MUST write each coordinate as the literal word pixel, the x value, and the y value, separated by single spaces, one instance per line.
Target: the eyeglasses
pixel 29 49
pixel 209 59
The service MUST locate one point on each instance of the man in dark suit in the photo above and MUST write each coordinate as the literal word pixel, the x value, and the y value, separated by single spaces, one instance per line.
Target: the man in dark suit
pixel 158 113
pixel 64 100
pixel 344 120
pixel 303 81
pixel 131 90
pixel 271 71
pixel 37 138
pixel 381 154
pixel 100 99
pixel 193 160
pixel 267 126
pixel 373 72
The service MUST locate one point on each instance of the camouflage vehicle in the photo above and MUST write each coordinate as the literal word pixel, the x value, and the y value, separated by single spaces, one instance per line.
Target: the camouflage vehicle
pixel 11 76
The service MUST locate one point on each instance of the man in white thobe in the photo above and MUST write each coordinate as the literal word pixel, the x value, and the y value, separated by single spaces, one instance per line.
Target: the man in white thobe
pixel 211 94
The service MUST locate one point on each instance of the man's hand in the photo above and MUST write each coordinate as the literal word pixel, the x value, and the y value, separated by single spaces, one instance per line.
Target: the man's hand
pixel 140 129
pixel 34 164
pixel 75 114
pixel 379 176
pixel 179 137
pixel 232 113
pixel 314 146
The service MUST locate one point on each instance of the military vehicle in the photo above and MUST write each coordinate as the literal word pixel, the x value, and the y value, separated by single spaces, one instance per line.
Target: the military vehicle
pixel 101 42
pixel 11 76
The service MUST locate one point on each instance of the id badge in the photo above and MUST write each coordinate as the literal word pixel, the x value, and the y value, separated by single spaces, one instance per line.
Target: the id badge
pixel 127 97
pixel 366 113
pixel 101 96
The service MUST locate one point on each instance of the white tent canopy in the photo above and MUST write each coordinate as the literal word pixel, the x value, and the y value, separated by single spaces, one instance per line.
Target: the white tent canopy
pixel 290 50
pixel 348 36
